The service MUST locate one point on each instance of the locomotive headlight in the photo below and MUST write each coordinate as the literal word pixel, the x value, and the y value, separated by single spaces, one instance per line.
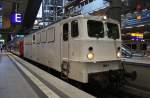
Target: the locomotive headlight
pixel 119 54
pixel 104 17
pixel 90 56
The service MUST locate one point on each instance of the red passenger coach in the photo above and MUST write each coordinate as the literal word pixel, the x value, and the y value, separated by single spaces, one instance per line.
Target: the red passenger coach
pixel 17 46
pixel 21 48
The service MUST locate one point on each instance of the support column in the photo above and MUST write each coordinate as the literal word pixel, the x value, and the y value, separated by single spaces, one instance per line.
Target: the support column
pixel 114 10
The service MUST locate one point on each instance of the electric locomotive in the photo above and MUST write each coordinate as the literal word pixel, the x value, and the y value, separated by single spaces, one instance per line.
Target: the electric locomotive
pixel 78 47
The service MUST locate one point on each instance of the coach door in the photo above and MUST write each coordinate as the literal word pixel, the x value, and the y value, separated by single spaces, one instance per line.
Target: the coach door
pixel 33 47
pixel 65 42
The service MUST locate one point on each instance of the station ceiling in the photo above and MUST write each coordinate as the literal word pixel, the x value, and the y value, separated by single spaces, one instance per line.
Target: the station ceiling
pixel 134 5
pixel 137 8
pixel 28 8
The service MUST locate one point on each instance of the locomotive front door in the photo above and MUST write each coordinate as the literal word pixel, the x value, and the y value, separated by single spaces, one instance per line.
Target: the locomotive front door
pixel 65 42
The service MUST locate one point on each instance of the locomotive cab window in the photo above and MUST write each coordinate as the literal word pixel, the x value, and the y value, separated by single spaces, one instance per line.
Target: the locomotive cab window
pixel 74 28
pixel 113 31
pixel 65 31
pixel 95 29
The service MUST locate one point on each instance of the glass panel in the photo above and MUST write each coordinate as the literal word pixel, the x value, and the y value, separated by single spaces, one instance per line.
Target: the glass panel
pixel 74 29
pixel 38 37
pixel 65 32
pixel 51 34
pixel 95 29
pixel 33 37
pixel 43 36
pixel 113 31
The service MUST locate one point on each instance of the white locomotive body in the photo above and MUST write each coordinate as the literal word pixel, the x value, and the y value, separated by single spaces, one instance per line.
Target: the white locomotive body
pixel 77 46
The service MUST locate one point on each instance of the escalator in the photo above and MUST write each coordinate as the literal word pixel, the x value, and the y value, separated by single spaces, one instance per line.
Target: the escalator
pixel 127 52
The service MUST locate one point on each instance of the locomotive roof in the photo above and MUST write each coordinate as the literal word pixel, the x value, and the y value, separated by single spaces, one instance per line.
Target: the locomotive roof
pixel 91 18
pixel 78 17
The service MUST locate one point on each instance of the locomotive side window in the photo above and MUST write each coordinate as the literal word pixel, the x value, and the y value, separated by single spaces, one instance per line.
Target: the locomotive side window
pixel 65 31
pixel 51 34
pixel 95 29
pixel 43 36
pixel 74 29
pixel 38 37
pixel 113 31
pixel 33 38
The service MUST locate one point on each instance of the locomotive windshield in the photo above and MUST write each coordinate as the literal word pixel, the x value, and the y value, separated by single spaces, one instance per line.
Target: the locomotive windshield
pixel 95 29
pixel 113 31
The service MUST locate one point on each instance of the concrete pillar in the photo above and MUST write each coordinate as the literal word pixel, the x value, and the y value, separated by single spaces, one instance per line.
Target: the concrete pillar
pixel 114 10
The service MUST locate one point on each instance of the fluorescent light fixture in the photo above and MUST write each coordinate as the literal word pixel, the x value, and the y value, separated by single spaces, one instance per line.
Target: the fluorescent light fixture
pixel 146 32
pixel 140 26
pixel 128 27
pixel 144 10
pixel 1 40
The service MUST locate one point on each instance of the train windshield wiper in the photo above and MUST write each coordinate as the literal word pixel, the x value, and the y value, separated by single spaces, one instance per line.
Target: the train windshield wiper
pixel 98 35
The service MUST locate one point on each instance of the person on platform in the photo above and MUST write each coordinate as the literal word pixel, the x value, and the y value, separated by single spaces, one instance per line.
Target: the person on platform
pixel 1 49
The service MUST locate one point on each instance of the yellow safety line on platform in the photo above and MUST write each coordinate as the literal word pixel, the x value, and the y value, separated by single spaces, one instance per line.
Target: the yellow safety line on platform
pixel 48 92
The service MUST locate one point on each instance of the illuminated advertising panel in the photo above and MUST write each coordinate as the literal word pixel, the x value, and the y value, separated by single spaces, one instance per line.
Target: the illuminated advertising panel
pixel 137 36
pixel 16 18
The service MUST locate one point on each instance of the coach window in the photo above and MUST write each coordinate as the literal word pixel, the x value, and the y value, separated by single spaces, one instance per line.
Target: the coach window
pixel 65 32
pixel 74 28
pixel 95 29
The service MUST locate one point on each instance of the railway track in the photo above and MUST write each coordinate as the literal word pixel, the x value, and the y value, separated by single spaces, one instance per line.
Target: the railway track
pixel 109 92
pixel 118 94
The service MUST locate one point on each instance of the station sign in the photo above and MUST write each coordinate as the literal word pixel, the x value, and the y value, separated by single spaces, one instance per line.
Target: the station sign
pixel 16 18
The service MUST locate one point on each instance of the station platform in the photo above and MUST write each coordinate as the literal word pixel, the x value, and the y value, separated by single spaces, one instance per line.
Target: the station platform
pixel 20 79
pixel 12 83
pixel 138 60
pixel 142 67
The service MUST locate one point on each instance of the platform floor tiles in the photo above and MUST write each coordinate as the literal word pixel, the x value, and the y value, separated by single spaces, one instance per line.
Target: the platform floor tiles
pixel 12 82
